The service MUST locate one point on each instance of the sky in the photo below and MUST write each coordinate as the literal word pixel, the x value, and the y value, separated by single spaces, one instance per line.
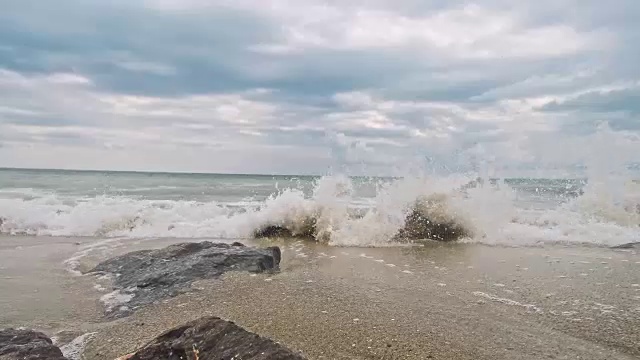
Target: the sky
pixel 310 86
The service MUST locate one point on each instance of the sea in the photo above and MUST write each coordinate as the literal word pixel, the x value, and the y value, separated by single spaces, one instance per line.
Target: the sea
pixel 345 211
pixel 529 275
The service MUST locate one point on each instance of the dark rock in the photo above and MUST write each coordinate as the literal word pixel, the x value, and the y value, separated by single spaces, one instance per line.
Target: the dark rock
pixel 272 231
pixel 18 344
pixel 305 229
pixel 211 338
pixel 146 276
pixel 431 219
pixel 631 245
pixel 420 227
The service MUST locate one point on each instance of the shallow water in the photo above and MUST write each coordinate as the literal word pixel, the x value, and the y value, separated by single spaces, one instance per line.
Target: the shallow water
pixel 38 290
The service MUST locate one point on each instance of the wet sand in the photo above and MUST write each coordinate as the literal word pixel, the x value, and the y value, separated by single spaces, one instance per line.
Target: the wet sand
pixel 37 290
pixel 457 301
pixel 40 286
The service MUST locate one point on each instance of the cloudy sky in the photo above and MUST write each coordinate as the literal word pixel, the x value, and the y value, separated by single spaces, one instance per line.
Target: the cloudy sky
pixel 299 86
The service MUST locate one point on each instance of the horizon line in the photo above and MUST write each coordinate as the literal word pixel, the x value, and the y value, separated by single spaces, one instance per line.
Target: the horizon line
pixel 148 171
pixel 3 168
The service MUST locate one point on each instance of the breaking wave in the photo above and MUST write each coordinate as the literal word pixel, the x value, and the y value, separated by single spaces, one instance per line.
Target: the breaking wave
pixel 401 211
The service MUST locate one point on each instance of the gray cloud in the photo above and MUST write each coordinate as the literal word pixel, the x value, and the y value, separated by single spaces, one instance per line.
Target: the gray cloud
pixel 309 83
pixel 626 101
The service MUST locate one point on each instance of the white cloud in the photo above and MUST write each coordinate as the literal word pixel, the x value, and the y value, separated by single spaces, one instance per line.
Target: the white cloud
pixel 232 85
pixel 210 132
pixel 465 32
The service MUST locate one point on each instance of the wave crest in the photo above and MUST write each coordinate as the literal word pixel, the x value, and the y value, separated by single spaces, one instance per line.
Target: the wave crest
pixel 400 211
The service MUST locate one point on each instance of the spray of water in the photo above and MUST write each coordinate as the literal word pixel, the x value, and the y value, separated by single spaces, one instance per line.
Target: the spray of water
pixel 408 210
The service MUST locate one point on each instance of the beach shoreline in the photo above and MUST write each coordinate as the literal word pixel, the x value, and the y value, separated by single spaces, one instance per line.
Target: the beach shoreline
pixel 447 301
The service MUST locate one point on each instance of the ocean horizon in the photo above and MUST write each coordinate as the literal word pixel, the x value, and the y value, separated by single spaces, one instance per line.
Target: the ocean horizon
pixel 308 175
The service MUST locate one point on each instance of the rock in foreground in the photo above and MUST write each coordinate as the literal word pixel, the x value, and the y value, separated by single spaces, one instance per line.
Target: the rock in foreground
pixel 19 344
pixel 144 277
pixel 210 338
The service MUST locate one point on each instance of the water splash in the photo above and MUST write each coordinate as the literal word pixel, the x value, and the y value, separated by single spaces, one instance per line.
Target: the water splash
pixel 604 210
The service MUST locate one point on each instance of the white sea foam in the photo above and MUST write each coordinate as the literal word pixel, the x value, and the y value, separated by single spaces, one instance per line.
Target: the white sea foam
pixel 115 299
pixel 490 213
pixel 74 349
pixel 506 301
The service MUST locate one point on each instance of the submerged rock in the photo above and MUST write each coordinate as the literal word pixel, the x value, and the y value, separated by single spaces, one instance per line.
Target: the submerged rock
pixel 211 338
pixel 419 227
pixel 275 231
pixel 305 229
pixel 146 276
pixel 272 231
pixel 430 218
pixel 22 344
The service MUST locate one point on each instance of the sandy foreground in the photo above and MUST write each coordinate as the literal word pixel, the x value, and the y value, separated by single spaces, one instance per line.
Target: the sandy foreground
pixel 458 301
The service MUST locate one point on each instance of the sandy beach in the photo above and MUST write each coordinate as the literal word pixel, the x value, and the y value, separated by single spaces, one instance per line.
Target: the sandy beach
pixel 458 301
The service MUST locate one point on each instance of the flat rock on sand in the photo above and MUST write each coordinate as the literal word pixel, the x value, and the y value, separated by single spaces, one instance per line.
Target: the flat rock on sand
pixel 146 276
pixel 211 338
pixel 22 344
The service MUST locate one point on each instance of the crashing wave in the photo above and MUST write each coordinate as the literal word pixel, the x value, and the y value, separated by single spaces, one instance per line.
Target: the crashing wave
pixel 428 217
pixel 7 227
pixel 399 211
pixel 120 225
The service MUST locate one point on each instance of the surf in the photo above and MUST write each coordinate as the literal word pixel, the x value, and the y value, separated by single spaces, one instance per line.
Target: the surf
pixel 402 211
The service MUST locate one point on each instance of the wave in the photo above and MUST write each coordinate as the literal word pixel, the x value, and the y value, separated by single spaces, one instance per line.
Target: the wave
pixel 405 210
